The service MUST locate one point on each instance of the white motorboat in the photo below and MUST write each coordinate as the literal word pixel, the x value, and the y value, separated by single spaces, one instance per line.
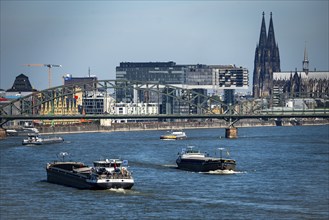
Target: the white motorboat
pixel 35 139
pixel 23 131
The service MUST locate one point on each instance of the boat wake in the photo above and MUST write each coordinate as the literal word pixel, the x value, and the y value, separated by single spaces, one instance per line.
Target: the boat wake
pixel 170 165
pixel 222 172
pixel 123 191
pixel 120 190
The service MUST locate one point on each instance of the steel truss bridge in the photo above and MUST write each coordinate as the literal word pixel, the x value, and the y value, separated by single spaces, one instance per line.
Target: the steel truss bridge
pixel 171 102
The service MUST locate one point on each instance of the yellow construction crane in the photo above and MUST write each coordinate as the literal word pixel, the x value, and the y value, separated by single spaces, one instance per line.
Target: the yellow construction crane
pixel 49 70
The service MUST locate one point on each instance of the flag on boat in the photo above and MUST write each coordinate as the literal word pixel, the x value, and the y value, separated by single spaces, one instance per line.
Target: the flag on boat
pixel 125 162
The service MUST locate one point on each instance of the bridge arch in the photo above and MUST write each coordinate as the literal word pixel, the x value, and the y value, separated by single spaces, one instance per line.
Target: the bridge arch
pixel 70 99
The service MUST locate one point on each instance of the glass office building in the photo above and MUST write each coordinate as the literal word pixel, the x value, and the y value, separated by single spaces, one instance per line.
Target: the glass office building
pixel 199 77
pixel 160 72
pixel 157 72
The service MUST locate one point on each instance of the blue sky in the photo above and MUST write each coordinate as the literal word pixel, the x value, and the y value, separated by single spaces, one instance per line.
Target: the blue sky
pixel 101 34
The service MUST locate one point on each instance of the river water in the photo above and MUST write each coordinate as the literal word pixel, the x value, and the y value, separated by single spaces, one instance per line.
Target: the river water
pixel 283 173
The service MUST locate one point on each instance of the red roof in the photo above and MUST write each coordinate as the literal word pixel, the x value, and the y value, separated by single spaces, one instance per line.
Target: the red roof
pixel 3 99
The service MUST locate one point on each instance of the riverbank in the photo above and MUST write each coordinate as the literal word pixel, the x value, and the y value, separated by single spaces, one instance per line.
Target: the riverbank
pixel 141 126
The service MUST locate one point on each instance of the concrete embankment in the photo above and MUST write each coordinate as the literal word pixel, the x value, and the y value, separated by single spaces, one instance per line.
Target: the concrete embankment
pixel 139 126
pixel 93 127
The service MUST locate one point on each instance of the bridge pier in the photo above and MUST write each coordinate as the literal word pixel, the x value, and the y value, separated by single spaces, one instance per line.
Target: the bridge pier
pixel 231 132
pixel 2 133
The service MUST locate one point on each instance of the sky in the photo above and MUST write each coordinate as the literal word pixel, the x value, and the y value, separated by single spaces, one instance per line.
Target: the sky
pixel 100 34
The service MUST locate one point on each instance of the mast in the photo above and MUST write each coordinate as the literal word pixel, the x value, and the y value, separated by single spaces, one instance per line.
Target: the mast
pixel 221 152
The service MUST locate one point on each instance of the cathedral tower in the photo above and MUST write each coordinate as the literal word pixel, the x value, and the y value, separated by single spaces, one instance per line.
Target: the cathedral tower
pixel 267 61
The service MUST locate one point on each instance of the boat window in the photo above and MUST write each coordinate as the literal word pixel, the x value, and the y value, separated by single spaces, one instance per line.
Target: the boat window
pixel 102 164
pixel 192 151
pixel 115 164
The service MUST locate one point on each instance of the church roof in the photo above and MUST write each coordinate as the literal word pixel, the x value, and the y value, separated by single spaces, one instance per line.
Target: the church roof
pixel 311 75
pixel 21 84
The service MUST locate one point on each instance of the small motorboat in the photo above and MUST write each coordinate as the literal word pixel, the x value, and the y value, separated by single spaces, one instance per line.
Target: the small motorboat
pixel 191 159
pixel 105 174
pixel 22 131
pixel 174 135
pixel 35 139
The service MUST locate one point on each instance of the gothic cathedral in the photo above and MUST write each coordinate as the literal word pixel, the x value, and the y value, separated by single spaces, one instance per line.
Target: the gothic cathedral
pixel 267 61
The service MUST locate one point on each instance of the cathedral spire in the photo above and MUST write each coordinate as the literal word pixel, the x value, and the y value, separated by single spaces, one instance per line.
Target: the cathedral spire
pixel 305 61
pixel 271 37
pixel 263 36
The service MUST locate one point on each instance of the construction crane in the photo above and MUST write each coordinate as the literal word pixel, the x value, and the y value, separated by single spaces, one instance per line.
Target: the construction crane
pixel 49 70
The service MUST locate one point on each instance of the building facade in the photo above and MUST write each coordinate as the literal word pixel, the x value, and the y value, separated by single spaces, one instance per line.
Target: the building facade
pixel 161 72
pixel 266 62
pixel 157 72
pixel 300 84
pixel 89 81
pixel 187 76
pixel 191 75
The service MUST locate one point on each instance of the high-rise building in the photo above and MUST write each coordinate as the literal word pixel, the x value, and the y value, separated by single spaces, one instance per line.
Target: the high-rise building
pixel 160 72
pixel 157 72
pixel 267 61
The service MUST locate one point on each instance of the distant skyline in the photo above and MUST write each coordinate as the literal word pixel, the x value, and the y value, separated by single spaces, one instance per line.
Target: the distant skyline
pixel 101 34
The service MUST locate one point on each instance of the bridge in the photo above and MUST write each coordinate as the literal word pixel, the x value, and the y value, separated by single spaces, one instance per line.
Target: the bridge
pixel 121 99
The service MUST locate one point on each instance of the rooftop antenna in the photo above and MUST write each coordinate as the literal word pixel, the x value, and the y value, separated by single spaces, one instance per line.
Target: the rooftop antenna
pixel 220 152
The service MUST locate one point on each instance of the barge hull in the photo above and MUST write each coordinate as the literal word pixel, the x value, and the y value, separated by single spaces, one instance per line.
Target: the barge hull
pixel 68 179
pixel 204 166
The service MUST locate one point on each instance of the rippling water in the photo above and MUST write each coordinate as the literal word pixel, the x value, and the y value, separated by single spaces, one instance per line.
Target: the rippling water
pixel 283 173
